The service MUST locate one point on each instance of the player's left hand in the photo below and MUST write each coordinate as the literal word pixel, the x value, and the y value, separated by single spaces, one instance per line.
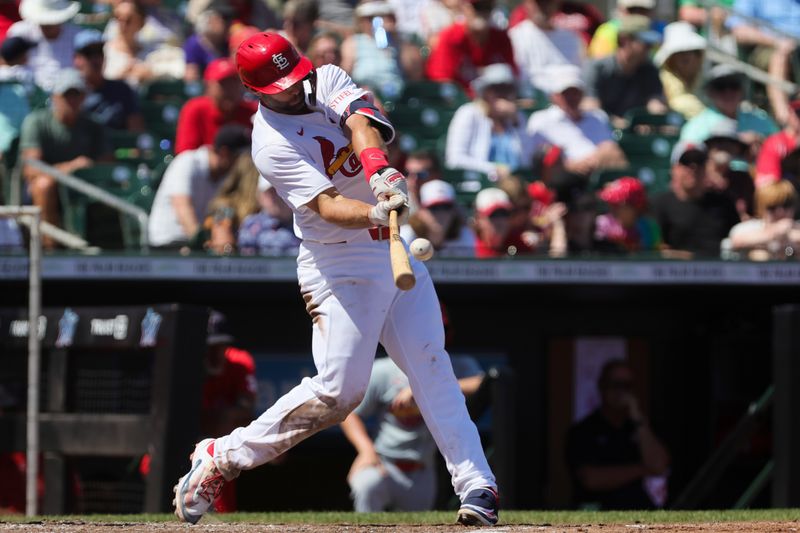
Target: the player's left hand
pixel 388 182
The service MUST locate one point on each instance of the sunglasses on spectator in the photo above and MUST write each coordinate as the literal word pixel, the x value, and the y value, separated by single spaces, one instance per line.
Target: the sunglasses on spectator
pixel 726 85
pixel 693 158
pixel 619 384
pixel 440 208
pixel 421 175
pixel 499 214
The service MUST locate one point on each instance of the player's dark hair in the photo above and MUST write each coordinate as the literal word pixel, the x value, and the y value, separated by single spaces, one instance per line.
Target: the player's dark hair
pixel 233 137
pixel 610 367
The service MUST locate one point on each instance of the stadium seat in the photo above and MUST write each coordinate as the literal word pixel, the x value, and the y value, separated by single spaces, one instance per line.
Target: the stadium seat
pixel 170 90
pixel 425 122
pixel 656 147
pixel 641 120
pixel 467 184
pixel 161 119
pixel 134 148
pixel 443 95
pixel 99 224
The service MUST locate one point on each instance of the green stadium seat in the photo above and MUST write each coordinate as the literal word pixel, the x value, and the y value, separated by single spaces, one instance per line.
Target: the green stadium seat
pixel 97 223
pixel 599 178
pixel 657 147
pixel 134 148
pixel 161 119
pixel 444 95
pixel 426 122
pixel 642 120
pixel 467 183
pixel 170 90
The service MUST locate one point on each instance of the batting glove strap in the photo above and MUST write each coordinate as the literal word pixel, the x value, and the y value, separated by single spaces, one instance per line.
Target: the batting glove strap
pixel 379 213
pixel 388 182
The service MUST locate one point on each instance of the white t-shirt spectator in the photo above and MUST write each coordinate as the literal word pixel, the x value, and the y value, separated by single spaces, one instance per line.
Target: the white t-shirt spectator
pixel 577 139
pixel 48 57
pixel 535 50
pixel 187 175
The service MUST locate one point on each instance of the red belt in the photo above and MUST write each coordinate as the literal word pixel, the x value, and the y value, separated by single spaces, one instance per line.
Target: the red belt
pixel 408 466
pixel 379 233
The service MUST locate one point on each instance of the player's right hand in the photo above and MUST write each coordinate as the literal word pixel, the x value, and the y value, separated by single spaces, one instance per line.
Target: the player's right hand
pixel 379 213
pixel 388 182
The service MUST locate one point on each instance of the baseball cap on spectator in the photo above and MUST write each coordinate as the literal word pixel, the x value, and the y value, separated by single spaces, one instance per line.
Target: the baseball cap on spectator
pixel 722 75
pixel 639 27
pixel 218 332
pixel 563 77
pixel 69 79
pixel 220 69
pixel 678 37
pixel 646 4
pixel 232 136
pixel 625 190
pixel 492 199
pixel 436 192
pixel 688 152
pixel 493 75
pixel 48 12
pixel 375 8
pixel 13 48
pixel 87 38
pixel 724 129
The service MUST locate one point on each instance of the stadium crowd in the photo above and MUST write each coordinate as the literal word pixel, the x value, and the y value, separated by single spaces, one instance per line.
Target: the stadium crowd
pixel 524 127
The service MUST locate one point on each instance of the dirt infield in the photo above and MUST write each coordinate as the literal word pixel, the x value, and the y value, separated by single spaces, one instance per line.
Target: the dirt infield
pixel 120 527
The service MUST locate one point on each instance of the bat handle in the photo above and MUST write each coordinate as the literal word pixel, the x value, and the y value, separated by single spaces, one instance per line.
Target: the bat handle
pixel 401 269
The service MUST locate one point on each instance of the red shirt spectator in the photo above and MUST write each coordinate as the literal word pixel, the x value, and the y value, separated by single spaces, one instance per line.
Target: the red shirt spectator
pixel 778 146
pixel 466 46
pixel 9 14
pixel 496 237
pixel 576 16
pixel 222 104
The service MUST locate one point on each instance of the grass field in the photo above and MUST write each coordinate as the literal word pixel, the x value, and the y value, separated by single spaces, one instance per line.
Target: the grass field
pixel 783 520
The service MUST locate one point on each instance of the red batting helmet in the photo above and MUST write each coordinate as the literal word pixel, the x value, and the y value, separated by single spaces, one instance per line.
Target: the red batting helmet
pixel 269 64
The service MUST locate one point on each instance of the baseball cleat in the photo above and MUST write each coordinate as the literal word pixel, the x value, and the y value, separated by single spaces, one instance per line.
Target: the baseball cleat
pixel 196 491
pixel 479 508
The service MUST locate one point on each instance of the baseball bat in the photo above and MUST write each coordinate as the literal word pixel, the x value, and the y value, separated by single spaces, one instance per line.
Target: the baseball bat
pixel 401 269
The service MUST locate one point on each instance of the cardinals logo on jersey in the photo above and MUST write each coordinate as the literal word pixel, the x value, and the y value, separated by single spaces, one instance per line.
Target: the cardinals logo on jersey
pixel 331 158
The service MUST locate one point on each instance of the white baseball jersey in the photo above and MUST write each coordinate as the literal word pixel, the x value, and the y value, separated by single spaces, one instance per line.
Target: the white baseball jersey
pixel 290 151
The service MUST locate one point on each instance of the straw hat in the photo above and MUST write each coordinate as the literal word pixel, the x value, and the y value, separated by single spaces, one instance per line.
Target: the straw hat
pixel 678 37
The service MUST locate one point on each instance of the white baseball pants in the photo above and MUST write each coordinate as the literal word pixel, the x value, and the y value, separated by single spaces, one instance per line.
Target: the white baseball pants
pixel 351 297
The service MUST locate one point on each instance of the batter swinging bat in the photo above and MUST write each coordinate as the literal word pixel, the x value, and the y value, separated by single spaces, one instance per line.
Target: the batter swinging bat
pixel 403 276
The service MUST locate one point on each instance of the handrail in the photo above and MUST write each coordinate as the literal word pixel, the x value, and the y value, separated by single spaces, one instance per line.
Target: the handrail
pixel 97 193
pixel 719 56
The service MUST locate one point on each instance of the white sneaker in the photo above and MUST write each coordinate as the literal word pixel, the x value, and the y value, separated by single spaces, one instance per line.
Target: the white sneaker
pixel 196 491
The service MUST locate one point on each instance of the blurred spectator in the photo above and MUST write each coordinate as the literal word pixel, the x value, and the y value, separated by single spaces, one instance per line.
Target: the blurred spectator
pixel 495 235
pixel 581 18
pixel 469 44
pixel 539 45
pixel 437 15
pixel 420 167
pixel 324 49
pixel 725 90
pixel 126 57
pixel 9 14
pixel 109 102
pixel 236 199
pixel 578 221
pixel 584 136
pixel 229 392
pixel 711 18
pixel 773 233
pixel 771 51
pixel 47 23
pixel 209 41
pixel 162 26
pixel 728 168
pixel 270 231
pixel 336 16
pixel 692 217
pixel 680 63
pixel 777 146
pixel 258 13
pixel 606 39
pixel 377 56
pixel 488 134
pixel 626 228
pixel 64 137
pixel 237 35
pixel 189 184
pixel 613 449
pixel 223 103
pixel 440 220
pixel 18 91
pixel 627 79
pixel 394 470
pixel 299 17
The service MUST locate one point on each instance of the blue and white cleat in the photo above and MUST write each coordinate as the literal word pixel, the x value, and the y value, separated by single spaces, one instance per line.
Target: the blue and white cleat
pixel 196 491
pixel 479 508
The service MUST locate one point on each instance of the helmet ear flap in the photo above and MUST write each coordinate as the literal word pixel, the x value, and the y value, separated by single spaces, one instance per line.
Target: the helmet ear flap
pixel 310 89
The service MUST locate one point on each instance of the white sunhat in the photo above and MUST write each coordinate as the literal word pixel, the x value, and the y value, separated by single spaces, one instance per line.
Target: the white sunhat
pixel 436 192
pixel 48 12
pixel 562 77
pixel 678 37
pixel 646 4
pixel 494 74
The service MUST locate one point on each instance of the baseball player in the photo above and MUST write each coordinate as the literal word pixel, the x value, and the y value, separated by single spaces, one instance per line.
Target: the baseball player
pixel 396 470
pixel 319 140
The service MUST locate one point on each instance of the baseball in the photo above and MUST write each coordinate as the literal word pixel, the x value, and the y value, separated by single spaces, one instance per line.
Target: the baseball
pixel 422 249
